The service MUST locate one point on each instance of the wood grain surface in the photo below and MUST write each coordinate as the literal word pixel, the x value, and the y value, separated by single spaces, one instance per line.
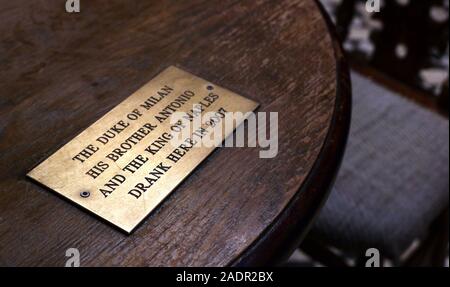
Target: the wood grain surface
pixel 60 72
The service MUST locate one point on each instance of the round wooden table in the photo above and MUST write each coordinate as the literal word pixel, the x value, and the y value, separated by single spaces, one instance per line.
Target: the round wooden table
pixel 60 72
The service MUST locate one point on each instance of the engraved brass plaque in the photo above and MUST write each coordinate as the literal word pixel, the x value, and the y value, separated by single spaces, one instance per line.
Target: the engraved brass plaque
pixel 126 163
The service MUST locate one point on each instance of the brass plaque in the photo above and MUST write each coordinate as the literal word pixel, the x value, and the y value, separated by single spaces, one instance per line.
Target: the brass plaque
pixel 126 163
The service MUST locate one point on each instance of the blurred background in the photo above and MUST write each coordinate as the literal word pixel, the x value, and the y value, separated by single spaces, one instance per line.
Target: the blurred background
pixel 406 41
pixel 392 192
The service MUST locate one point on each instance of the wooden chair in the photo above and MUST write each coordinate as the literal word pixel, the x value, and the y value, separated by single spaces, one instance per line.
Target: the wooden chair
pixel 392 190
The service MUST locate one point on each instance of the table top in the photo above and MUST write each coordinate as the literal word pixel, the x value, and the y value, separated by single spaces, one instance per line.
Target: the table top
pixel 60 72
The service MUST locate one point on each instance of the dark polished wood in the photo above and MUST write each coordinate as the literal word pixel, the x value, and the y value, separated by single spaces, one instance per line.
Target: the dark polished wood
pixel 286 232
pixel 60 72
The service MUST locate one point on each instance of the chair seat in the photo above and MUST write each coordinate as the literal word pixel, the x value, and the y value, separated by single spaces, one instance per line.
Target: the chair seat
pixel 394 176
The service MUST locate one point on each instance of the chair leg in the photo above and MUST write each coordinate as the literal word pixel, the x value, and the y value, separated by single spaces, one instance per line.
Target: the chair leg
pixel 320 253
pixel 434 249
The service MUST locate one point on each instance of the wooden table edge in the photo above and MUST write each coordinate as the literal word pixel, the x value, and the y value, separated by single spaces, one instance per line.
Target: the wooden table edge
pixel 287 231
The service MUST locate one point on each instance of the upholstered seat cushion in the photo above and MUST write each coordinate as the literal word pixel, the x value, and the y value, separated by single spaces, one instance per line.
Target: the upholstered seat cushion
pixel 394 177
